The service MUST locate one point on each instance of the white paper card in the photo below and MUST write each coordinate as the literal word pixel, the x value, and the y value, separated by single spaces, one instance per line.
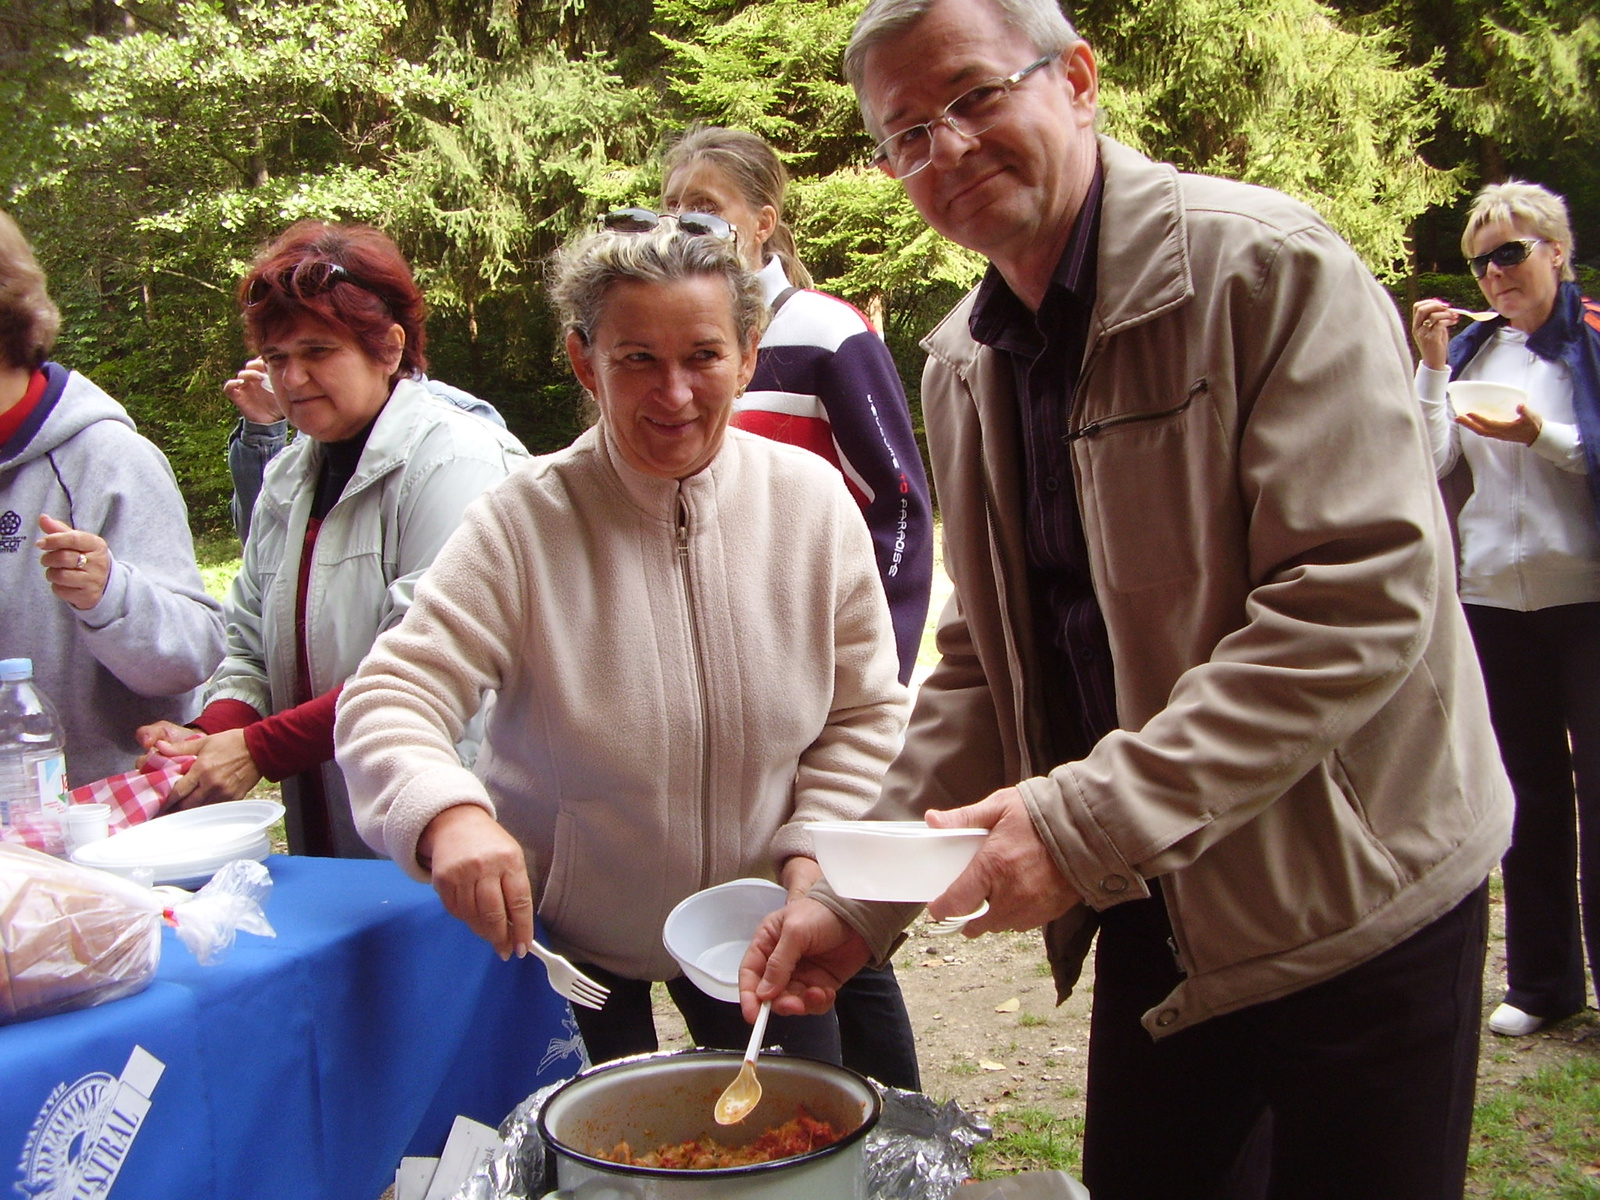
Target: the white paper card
pixel 412 1177
pixel 469 1144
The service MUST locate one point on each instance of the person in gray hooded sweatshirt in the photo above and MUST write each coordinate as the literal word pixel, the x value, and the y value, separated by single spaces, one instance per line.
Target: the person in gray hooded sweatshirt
pixel 98 582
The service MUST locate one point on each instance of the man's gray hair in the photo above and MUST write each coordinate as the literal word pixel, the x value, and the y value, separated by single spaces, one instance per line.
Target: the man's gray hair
pixel 1040 21
pixel 583 273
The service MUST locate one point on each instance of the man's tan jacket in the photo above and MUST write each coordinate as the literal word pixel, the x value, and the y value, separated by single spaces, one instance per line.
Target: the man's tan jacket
pixel 1305 756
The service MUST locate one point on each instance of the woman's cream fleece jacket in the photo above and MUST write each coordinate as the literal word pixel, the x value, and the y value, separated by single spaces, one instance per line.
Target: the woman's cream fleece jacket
pixel 684 672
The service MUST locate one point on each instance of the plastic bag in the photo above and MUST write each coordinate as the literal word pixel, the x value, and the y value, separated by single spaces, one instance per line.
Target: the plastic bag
pixel 72 937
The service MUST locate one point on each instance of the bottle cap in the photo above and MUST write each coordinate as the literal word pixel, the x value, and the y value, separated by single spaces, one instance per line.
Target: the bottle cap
pixel 13 669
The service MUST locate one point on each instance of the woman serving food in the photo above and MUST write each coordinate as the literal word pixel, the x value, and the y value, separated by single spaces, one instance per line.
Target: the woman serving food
pixel 674 696
pixel 825 380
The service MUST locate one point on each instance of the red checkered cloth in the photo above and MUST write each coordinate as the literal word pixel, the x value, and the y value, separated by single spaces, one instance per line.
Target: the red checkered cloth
pixel 134 797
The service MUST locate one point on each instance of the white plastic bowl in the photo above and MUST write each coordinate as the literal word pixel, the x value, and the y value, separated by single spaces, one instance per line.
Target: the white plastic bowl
pixel 709 932
pixel 902 861
pixel 1496 401
pixel 186 848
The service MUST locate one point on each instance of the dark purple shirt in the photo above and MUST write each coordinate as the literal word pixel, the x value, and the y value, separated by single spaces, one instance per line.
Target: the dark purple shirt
pixel 1046 353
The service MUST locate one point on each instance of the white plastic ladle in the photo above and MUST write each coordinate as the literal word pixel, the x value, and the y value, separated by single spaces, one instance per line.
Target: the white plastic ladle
pixel 744 1093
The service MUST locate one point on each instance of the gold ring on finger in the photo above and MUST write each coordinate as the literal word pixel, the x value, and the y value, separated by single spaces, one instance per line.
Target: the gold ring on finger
pixel 83 560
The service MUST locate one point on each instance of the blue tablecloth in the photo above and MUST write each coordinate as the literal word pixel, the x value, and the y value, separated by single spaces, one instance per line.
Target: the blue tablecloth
pixel 299 1067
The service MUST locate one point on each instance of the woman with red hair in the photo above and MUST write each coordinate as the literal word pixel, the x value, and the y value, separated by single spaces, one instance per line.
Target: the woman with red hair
pixel 349 516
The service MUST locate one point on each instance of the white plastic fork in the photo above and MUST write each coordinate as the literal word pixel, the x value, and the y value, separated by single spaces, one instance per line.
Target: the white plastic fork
pixel 566 980
pixel 956 924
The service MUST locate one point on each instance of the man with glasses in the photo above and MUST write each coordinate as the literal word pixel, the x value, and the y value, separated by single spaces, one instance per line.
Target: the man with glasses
pixel 1204 677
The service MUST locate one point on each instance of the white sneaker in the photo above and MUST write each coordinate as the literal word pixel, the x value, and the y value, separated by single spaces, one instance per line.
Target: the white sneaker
pixel 1510 1021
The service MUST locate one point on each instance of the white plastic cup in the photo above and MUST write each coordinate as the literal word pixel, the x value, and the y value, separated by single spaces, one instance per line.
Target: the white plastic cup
pixel 85 823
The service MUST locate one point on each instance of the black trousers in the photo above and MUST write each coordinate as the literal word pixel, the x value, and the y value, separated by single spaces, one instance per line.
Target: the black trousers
pixel 1542 671
pixel 1360 1086
pixel 627 1026
pixel 875 1029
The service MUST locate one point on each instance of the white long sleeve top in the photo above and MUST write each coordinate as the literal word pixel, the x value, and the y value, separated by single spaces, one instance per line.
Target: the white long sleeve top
pixel 1529 538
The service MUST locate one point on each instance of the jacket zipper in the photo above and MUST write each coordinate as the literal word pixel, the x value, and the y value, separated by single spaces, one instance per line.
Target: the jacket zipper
pixel 700 690
pixel 1094 428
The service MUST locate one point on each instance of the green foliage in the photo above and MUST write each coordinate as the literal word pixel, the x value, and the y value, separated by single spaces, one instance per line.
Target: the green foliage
pixel 1540 76
pixel 772 68
pixel 156 144
pixel 171 155
pixel 1279 93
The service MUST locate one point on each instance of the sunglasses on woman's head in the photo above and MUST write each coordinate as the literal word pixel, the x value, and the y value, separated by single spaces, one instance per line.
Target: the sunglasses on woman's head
pixel 643 220
pixel 1507 254
pixel 314 277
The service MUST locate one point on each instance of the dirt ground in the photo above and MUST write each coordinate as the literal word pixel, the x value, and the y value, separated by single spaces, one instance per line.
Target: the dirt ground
pixel 990 1036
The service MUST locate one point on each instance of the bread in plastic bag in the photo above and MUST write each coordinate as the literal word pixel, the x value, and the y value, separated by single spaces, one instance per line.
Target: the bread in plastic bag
pixel 72 937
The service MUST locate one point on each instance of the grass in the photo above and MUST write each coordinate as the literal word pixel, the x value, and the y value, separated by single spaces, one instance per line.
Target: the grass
pixel 1540 1138
pixel 1029 1139
pixel 218 556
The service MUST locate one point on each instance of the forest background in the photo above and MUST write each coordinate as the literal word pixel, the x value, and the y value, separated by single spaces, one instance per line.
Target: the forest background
pixel 151 146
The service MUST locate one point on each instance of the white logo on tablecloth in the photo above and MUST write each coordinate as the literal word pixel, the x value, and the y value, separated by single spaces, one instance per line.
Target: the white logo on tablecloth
pixel 561 1049
pixel 82 1135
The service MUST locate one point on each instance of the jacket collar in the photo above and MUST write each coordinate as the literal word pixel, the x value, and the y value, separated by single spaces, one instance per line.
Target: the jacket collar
pixel 407 411
pixel 1549 341
pixel 1144 241
pixel 659 498
pixel 773 280
pixel 1143 259
pixel 394 435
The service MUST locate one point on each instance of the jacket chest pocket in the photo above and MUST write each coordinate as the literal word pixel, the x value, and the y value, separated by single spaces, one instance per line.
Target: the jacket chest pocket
pixel 1155 483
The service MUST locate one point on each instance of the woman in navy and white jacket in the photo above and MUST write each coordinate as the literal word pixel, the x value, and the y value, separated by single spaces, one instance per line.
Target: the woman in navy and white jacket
pixel 1530 572
pixel 825 380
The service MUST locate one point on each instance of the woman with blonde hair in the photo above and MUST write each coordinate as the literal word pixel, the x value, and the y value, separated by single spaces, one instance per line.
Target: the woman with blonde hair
pixel 824 378
pixel 1530 572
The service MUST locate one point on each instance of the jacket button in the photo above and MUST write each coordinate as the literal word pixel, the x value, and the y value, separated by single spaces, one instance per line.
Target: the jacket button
pixel 1113 883
pixel 1166 1017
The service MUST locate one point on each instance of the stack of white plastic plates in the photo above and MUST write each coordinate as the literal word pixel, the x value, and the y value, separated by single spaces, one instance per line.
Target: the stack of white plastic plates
pixel 186 848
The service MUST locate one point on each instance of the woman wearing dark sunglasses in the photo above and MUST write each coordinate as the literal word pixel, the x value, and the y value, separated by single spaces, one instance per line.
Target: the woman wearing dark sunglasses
pixel 349 516
pixel 1530 573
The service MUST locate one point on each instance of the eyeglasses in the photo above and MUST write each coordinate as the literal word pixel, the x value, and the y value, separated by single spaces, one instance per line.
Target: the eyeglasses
pixel 643 220
pixel 313 277
pixel 977 110
pixel 1507 254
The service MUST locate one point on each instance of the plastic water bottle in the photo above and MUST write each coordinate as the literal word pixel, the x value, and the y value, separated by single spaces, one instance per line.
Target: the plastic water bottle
pixel 33 764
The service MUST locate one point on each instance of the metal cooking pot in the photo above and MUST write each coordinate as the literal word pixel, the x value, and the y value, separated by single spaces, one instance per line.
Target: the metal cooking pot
pixel 660 1099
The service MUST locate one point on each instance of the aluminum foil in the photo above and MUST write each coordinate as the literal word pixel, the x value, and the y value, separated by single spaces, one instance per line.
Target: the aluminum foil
pixel 920 1147
pixel 920 1150
pixel 515 1171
